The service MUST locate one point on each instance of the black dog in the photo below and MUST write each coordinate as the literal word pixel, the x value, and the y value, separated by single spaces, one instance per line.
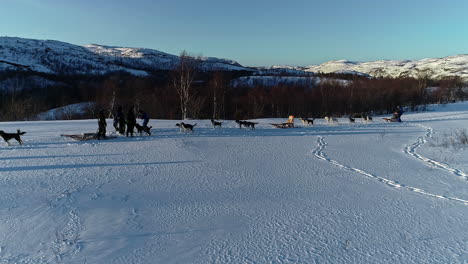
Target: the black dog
pixel 216 123
pixel 246 124
pixel 9 136
pixel 185 127
pixel 142 129
pixel 368 118
pixel 306 121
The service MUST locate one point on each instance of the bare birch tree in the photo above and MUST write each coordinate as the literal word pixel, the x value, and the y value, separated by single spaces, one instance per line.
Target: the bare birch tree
pixel 182 80
pixel 217 86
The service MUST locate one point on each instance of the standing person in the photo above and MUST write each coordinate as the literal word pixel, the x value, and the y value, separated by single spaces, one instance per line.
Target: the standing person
pixel 143 115
pixel 399 113
pixel 121 118
pixel 131 121
pixel 102 124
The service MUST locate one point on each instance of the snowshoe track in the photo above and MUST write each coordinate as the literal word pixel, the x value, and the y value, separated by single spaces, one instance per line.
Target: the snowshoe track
pixel 411 150
pixel 318 152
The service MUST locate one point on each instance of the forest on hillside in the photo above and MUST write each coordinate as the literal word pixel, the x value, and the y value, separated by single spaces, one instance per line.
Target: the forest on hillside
pixel 188 92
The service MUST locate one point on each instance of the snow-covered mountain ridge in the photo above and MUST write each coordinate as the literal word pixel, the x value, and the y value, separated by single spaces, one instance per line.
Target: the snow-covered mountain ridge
pixel 50 56
pixel 434 68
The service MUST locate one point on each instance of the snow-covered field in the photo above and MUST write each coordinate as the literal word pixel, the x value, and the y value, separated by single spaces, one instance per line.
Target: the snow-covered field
pixel 346 193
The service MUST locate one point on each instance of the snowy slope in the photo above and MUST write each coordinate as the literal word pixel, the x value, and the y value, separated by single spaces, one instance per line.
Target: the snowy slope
pixel 66 112
pixel 346 193
pixel 433 68
pixel 51 56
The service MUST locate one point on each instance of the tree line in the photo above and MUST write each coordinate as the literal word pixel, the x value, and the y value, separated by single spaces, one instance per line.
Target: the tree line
pixel 190 92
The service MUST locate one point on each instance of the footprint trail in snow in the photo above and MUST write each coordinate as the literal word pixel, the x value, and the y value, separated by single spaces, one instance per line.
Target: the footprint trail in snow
pixel 318 152
pixel 411 150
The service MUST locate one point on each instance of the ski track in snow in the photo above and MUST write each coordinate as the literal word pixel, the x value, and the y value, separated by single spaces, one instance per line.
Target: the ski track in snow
pixel 318 152
pixel 411 150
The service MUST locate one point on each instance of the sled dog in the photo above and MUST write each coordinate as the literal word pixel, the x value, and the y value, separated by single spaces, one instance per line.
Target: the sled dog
pixel 9 136
pixel 141 129
pixel 216 123
pixel 185 127
pixel 306 121
pixel 331 120
pixel 246 124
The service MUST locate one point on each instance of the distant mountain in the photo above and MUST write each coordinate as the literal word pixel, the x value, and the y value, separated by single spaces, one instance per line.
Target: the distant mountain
pixel 433 68
pixel 55 57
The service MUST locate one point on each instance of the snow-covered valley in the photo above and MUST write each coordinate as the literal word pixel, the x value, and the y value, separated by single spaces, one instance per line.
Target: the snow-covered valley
pixel 347 193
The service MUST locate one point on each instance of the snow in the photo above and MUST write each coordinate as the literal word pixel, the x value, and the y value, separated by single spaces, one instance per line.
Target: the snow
pixel 433 67
pixel 55 57
pixel 347 193
pixel 67 111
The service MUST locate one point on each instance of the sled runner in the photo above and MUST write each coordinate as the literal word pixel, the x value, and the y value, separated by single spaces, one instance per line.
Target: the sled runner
pixel 287 124
pixel 86 136
pixel 390 119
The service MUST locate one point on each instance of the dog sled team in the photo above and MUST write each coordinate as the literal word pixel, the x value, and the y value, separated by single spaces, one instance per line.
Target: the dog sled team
pixel 126 124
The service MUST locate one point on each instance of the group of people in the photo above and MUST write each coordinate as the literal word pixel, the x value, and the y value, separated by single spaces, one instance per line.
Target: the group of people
pixel 123 124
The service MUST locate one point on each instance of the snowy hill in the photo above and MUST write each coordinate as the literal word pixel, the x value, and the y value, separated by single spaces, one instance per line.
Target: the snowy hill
pixel 343 193
pixel 433 68
pixel 50 56
pixel 73 111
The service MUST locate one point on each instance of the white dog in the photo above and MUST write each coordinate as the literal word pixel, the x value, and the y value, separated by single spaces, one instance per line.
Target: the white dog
pixel 331 120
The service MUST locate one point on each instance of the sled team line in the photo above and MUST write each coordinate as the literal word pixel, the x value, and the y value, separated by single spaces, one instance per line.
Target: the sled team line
pixel 126 125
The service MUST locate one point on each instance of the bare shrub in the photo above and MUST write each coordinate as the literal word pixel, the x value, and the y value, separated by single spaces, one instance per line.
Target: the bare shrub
pixel 455 139
pixel 461 136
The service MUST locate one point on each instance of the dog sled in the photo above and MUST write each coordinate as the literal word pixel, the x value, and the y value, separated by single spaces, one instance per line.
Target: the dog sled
pixel 395 118
pixel 287 124
pixel 86 136
pixel 391 120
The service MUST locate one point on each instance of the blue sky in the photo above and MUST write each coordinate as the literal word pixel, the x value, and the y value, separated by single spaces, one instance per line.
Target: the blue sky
pixel 255 32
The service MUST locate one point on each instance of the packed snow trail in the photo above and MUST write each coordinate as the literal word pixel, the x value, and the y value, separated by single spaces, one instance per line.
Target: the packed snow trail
pixel 318 152
pixel 411 150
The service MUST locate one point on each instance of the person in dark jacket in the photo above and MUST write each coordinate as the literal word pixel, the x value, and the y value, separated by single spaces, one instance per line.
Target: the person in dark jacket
pixel 399 112
pixel 102 124
pixel 131 121
pixel 143 115
pixel 121 120
pixel 116 122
